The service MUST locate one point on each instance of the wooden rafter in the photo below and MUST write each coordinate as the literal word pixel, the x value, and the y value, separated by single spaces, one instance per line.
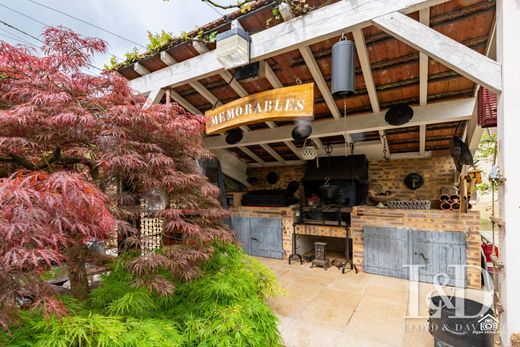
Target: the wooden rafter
pixel 201 48
pixel 318 25
pixel 473 130
pixel 275 83
pixel 312 65
pixel 364 61
pixel 424 18
pixel 469 63
pixel 237 87
pixel 448 111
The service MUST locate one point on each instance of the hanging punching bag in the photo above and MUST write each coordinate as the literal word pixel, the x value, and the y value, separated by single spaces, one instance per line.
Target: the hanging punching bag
pixel 343 82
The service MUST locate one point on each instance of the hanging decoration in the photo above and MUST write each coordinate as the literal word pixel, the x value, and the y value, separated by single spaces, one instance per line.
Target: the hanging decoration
pixel 301 131
pixel 155 200
pixel 343 71
pixel 309 151
pixel 385 146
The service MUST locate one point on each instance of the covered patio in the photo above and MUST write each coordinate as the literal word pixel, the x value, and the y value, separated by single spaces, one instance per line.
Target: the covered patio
pixel 320 308
pixel 434 57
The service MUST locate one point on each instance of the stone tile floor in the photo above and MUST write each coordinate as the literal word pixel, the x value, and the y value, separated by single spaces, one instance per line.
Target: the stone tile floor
pixel 327 309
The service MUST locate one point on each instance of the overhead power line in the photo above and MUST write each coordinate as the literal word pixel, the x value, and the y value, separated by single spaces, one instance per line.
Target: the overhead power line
pixel 25 15
pixel 37 39
pixel 45 24
pixel 86 22
pixel 18 38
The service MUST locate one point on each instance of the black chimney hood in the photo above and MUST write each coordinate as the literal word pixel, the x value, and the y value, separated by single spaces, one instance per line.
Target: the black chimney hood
pixel 353 167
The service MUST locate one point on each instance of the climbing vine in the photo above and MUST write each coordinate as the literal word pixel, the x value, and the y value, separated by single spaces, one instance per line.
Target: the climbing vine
pixel 160 41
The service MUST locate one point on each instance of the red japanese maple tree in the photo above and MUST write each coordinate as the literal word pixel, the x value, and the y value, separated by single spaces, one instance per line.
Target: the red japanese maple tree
pixel 78 153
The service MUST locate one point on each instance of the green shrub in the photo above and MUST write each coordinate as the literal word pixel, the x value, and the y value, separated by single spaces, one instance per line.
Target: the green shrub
pixel 224 307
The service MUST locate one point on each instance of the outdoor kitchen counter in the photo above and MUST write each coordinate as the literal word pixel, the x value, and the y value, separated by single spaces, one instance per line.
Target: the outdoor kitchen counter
pixel 286 213
pixel 427 220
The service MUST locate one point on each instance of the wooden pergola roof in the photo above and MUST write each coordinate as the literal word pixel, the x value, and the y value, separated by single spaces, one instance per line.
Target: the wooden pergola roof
pixel 388 72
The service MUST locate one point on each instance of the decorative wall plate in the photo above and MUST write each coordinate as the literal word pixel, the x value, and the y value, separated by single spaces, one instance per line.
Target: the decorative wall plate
pixel 413 181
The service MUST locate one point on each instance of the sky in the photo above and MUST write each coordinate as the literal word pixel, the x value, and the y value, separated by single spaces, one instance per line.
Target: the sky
pixel 131 19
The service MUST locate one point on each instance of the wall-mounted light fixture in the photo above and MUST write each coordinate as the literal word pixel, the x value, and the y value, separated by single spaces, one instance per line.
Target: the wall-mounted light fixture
pixel 233 47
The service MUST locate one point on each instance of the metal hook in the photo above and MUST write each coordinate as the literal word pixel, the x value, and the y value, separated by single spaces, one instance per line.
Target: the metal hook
pixel 298 81
pixel 343 37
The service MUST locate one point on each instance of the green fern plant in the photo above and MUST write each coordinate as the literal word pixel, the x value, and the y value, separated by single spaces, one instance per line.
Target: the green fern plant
pixel 225 306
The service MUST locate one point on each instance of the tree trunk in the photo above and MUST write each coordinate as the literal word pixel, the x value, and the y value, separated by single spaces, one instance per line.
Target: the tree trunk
pixel 77 260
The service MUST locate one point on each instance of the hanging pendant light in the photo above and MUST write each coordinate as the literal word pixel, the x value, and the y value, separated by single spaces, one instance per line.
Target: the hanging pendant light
pixel 343 72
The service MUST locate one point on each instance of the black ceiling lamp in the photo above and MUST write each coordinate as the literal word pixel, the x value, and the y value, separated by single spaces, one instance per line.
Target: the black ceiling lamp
pixel 234 136
pixel 399 114
pixel 301 131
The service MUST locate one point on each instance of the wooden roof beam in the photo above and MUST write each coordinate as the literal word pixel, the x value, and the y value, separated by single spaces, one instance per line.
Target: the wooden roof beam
pixel 140 69
pixel 314 69
pixel 441 112
pixel 287 14
pixel 168 59
pixel 321 24
pixel 473 130
pixel 183 102
pixel 201 48
pixel 252 155
pixel 364 61
pixel 469 63
pixel 424 18
pixel 154 97
pixel 275 83
pixel 422 139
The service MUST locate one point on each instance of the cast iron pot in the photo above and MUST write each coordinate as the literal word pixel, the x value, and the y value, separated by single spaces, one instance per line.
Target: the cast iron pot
pixel 447 330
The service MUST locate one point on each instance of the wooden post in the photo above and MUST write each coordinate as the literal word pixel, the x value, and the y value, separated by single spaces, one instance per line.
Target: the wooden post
pixel 508 53
pixel 168 97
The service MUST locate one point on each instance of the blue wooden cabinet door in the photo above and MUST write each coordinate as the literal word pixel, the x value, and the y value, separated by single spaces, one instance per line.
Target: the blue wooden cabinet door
pixel 386 251
pixel 266 237
pixel 437 252
pixel 241 227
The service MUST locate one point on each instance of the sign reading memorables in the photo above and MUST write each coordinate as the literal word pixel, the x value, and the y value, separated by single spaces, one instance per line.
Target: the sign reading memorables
pixel 272 105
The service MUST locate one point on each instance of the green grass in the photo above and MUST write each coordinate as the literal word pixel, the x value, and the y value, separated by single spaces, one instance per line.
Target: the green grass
pixel 226 306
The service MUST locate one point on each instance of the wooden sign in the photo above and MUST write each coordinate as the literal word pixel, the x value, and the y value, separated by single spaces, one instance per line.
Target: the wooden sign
pixel 272 105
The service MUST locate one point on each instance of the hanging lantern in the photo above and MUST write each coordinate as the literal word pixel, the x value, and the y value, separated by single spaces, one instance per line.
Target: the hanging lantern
pixel 343 72
pixel 309 152
pixel 233 47
pixel 155 200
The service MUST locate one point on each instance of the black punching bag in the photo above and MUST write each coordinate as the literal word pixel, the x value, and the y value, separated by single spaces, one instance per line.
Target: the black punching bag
pixel 343 82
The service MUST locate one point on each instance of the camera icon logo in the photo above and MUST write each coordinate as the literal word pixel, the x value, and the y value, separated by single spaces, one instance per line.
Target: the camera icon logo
pixel 488 323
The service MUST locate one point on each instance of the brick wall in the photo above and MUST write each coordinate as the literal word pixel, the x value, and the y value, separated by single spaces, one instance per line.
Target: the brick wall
pixel 383 176
pixel 428 220
pixel 286 174
pixel 390 174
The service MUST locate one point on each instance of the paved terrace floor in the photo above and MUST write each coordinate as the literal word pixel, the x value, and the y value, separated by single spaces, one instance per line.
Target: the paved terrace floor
pixel 327 309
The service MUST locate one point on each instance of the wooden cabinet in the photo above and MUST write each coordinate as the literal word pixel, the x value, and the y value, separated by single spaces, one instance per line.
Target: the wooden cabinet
pixel 390 251
pixel 260 237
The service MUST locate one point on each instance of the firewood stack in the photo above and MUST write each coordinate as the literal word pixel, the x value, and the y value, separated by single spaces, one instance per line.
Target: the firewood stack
pixel 449 202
